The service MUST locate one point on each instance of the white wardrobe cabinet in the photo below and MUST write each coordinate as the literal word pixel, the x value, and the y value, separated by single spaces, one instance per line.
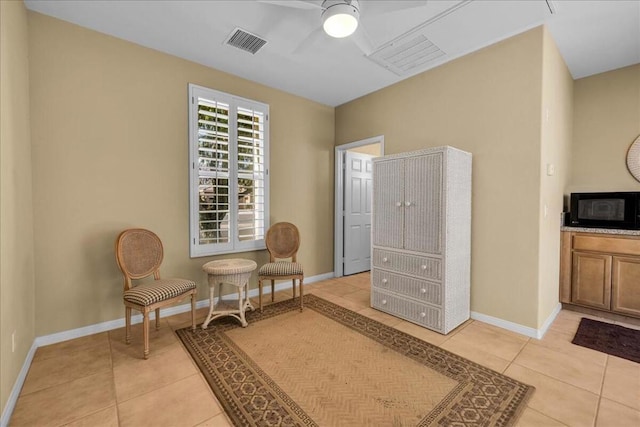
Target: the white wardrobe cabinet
pixel 421 236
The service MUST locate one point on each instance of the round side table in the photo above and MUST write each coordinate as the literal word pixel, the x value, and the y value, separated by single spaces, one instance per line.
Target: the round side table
pixel 235 272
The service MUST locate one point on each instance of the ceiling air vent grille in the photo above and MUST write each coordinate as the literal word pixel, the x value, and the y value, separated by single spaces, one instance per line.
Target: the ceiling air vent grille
pixel 245 40
pixel 407 54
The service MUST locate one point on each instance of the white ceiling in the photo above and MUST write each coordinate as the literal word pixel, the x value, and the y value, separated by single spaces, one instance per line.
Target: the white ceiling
pixel 593 36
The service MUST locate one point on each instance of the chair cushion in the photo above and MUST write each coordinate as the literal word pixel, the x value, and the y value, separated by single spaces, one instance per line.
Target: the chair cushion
pixel 158 290
pixel 280 268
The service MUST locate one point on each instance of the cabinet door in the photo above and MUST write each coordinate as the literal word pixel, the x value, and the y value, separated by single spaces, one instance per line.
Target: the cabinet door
pixel 388 199
pixel 625 285
pixel 423 203
pixel 591 280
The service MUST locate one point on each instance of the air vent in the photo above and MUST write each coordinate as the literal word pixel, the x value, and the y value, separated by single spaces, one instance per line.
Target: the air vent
pixel 245 40
pixel 406 54
pixel 413 51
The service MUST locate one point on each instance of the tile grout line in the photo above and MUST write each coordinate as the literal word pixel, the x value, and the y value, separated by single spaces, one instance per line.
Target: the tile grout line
pixel 113 378
pixel 457 331
pixel 604 373
pixel 516 356
pixel 546 415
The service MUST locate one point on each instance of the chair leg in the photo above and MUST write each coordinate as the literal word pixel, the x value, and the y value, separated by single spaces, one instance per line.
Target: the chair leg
pixel 301 302
pixel 193 311
pixel 260 293
pixel 145 332
pixel 273 289
pixel 157 319
pixel 127 319
pixel 293 281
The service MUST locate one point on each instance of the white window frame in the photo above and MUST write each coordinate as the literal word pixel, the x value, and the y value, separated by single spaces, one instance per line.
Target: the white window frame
pixel 197 249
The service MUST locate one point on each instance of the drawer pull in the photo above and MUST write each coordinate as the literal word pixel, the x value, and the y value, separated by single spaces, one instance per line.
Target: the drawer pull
pixel 384 281
pixel 385 259
pixel 384 302
pixel 423 290
pixel 407 204
pixel 398 204
pixel 423 314
pixel 424 267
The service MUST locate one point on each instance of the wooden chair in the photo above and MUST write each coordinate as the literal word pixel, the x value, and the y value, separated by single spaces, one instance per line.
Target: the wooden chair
pixel 283 241
pixel 139 254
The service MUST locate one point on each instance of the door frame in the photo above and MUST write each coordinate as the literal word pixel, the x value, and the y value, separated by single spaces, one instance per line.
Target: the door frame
pixel 338 247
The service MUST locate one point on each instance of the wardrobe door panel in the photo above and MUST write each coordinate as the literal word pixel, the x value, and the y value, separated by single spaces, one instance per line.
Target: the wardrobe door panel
pixel 388 204
pixel 423 204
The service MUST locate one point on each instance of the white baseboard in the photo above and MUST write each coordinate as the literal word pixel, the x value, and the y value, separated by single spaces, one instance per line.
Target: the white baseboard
pixel 516 327
pixel 183 308
pixel 547 323
pixel 15 392
pixel 115 324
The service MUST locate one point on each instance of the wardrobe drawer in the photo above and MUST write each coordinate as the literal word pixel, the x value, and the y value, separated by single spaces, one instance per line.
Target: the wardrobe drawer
pixel 422 314
pixel 415 265
pixel 422 290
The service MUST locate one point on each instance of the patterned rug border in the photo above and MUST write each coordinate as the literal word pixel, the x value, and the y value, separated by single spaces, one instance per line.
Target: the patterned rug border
pixel 478 386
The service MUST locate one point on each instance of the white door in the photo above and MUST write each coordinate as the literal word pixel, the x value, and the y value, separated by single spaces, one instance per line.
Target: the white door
pixel 357 212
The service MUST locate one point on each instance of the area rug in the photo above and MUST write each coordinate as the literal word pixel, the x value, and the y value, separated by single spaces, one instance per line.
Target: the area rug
pixel 608 338
pixel 329 366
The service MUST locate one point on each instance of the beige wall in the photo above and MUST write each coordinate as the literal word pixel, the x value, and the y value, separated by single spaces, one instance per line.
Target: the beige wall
pixel 110 151
pixel 371 149
pixel 17 285
pixel 606 122
pixel 556 118
pixel 487 103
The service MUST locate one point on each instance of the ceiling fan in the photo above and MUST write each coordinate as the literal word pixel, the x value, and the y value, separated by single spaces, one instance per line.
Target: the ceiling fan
pixel 341 18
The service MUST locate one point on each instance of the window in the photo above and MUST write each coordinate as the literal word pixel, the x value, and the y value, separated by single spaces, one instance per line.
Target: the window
pixel 228 172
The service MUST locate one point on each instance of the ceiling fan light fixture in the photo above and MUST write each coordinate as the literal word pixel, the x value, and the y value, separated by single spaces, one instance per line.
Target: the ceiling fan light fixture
pixel 340 19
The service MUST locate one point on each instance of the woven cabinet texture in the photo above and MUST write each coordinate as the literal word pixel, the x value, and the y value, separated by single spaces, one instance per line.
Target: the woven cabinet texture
pixel 280 268
pixel 158 290
pixel 422 236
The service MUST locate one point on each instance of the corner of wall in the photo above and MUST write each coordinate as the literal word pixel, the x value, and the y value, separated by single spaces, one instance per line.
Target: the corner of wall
pixel 17 282
pixel 556 124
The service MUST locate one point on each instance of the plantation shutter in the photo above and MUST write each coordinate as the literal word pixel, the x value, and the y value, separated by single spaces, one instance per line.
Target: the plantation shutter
pixel 229 163
pixel 213 172
pixel 251 173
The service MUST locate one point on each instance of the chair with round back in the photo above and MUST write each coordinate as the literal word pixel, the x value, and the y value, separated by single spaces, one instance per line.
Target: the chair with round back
pixel 283 242
pixel 139 254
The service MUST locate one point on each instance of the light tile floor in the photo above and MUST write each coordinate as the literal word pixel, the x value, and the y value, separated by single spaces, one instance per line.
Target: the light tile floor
pixel 100 381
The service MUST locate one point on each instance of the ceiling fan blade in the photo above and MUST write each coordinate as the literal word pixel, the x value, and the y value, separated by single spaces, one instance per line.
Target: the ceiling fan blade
pixel 309 41
pixel 362 40
pixel 296 4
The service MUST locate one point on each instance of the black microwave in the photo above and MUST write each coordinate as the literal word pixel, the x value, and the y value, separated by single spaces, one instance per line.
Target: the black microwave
pixel 605 210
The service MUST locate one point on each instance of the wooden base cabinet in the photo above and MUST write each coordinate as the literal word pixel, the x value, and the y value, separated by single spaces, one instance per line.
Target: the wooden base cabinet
pixel 625 286
pixel 591 279
pixel 603 272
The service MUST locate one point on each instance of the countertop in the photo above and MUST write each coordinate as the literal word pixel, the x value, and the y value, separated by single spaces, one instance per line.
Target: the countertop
pixel 601 230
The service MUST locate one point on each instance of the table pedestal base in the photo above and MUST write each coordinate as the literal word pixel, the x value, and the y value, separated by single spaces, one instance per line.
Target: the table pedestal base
pixel 224 308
